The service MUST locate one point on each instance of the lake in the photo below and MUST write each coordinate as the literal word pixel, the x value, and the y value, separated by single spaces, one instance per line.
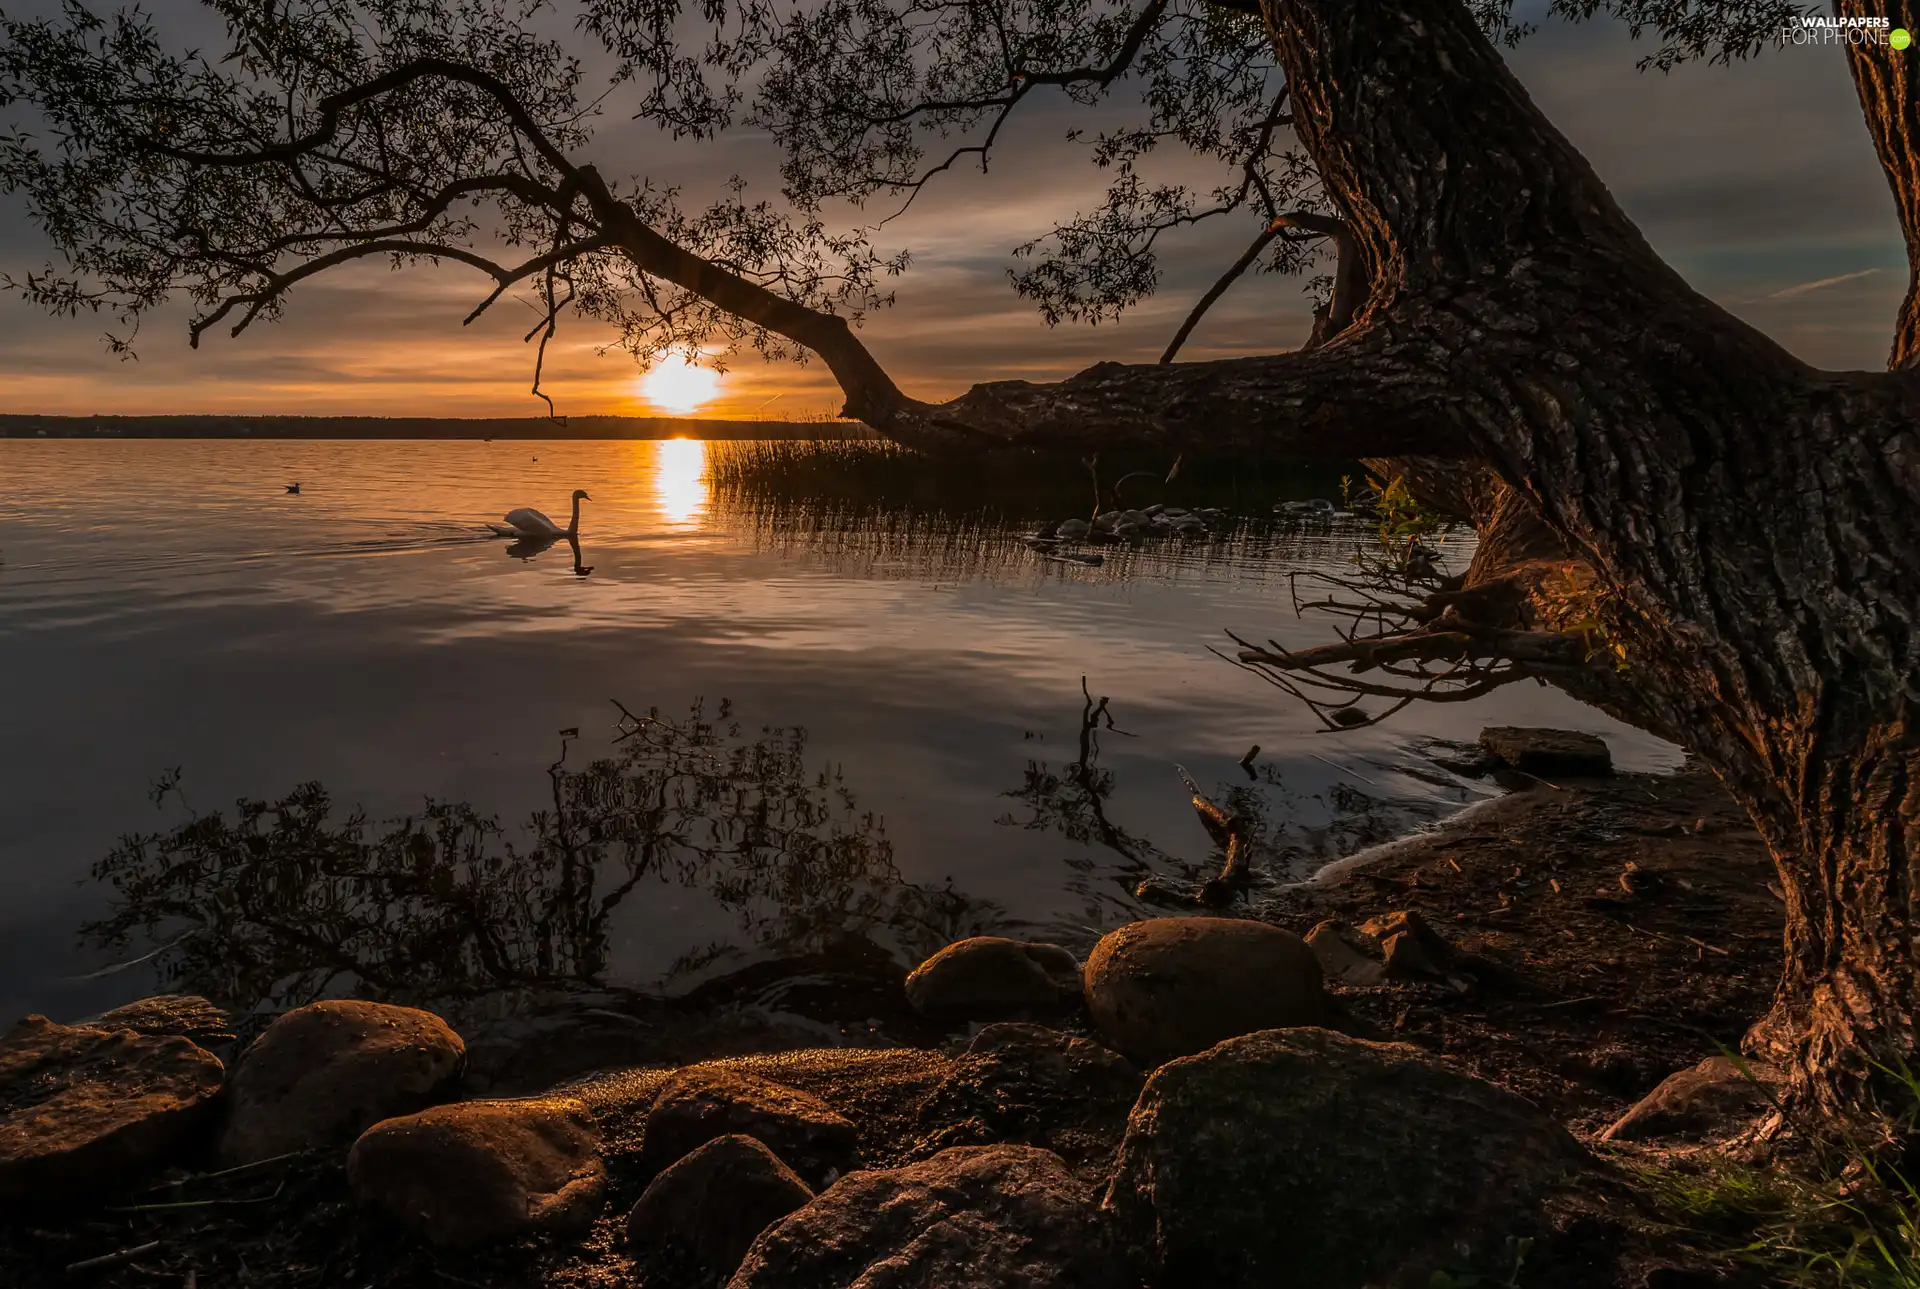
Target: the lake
pixel 795 720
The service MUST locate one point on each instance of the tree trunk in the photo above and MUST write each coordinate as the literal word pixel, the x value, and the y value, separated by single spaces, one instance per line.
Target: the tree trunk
pixel 1888 90
pixel 1748 524
pixel 1752 522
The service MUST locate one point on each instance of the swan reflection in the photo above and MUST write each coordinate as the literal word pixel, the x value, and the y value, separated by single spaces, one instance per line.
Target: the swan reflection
pixel 527 547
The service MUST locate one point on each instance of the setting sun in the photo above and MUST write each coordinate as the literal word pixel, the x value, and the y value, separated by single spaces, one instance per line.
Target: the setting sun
pixel 676 386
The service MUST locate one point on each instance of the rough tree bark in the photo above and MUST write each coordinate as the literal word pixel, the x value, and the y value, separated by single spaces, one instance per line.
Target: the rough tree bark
pixel 1888 89
pixel 1753 521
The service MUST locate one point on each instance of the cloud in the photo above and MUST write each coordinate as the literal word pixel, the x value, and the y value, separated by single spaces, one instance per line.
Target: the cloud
pixel 1789 293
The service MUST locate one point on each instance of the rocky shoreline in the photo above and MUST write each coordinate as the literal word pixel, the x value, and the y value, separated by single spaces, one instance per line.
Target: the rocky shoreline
pixel 1442 1068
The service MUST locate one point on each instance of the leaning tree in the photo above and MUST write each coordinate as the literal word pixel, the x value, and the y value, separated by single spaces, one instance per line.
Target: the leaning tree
pixel 1679 520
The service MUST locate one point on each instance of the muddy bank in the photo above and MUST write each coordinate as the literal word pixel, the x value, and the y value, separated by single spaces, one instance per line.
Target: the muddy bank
pixel 1628 925
pixel 1599 934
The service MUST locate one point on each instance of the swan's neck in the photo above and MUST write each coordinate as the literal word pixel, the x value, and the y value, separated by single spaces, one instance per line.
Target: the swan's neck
pixel 574 527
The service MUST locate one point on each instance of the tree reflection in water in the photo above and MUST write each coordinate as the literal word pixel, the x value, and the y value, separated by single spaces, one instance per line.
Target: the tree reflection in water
pixel 283 902
pixel 292 900
pixel 1290 833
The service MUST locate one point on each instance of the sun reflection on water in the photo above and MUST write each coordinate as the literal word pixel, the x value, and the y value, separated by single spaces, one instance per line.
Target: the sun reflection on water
pixel 679 480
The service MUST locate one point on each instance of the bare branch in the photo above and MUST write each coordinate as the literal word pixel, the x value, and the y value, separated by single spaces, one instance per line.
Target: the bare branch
pixel 334 106
pixel 1218 289
pixel 1020 83
pixel 1526 647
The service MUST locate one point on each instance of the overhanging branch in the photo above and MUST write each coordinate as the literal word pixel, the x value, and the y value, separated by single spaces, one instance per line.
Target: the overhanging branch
pixel 1371 395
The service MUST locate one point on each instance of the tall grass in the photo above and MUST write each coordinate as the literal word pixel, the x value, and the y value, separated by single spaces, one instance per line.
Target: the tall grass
pixel 759 463
pixel 1850 1220
pixel 1016 484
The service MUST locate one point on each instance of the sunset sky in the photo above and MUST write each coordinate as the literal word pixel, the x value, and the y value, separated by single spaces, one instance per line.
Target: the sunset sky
pixel 1758 182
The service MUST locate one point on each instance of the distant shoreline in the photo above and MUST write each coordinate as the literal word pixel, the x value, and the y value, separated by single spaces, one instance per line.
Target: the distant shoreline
pixel 16 426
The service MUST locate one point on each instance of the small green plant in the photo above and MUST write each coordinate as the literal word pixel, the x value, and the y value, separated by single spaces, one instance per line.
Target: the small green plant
pixel 1595 634
pixel 1402 517
pixel 1851 1222
pixel 1403 522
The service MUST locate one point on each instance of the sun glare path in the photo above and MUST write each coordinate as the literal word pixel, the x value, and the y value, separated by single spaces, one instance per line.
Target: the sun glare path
pixel 678 387
pixel 679 480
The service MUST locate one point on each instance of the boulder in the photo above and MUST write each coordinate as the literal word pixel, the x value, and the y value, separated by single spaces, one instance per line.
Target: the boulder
pixel 1173 986
pixel 974 1215
pixel 479 1171
pixel 698 1218
pixel 1410 949
pixel 187 1016
pixel 324 1073
pixel 1346 955
pixel 883 1088
pixel 1306 1157
pixel 1029 1084
pixel 1548 753
pixel 697 1105
pixel 990 977
pixel 85 1111
pixel 1696 1102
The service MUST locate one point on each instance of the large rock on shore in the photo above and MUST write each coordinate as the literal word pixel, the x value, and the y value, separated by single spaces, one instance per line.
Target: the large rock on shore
pixel 990 977
pixel 322 1074
pixel 84 1112
pixel 1548 753
pixel 1346 955
pixel 697 1220
pixel 699 1104
pixel 1306 1157
pixel 479 1171
pixel 879 1090
pixel 1032 1085
pixel 1171 987
pixel 187 1016
pixel 1011 1216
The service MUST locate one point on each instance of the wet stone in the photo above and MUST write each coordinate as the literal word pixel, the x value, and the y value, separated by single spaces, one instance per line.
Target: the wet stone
pixel 698 1105
pixel 85 1112
pixel 322 1074
pixel 1547 753
pixel 1169 987
pixel 1029 1084
pixel 990 977
pixel 479 1171
pixel 187 1016
pixel 1305 1157
pixel 697 1219
pixel 970 1216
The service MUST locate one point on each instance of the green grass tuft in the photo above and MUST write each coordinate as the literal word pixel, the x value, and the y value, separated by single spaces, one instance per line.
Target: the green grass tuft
pixel 1850 1222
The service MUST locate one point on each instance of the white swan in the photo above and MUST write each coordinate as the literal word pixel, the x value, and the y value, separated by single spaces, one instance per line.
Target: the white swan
pixel 528 522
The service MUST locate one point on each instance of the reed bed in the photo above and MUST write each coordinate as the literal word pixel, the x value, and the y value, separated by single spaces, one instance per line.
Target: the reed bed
pixel 1013 484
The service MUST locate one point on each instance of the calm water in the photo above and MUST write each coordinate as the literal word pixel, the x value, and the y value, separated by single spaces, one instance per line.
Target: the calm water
pixel 869 722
